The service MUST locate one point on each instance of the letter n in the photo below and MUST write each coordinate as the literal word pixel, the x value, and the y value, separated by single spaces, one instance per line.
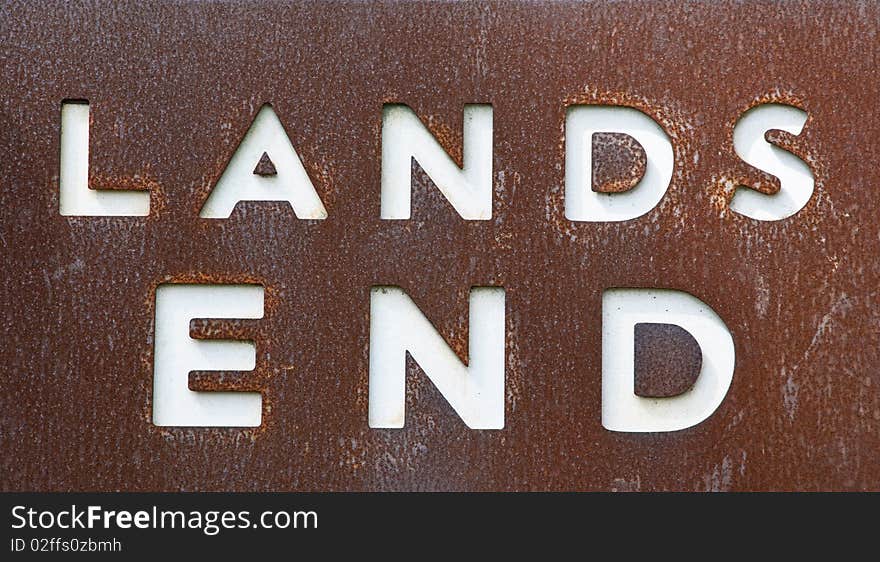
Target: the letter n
pixel 475 391
pixel 404 138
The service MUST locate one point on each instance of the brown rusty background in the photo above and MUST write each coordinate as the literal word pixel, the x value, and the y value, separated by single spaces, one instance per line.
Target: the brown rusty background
pixel 174 86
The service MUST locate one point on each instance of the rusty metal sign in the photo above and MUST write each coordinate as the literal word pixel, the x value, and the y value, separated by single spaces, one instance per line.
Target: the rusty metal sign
pixel 432 246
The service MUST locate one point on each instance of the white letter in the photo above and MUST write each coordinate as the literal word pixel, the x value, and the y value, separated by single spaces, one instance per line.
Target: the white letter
pixel 94 515
pixel 17 515
pixel 176 354
pixel 475 391
pixel 239 182
pixel 581 202
pixel 622 410
pixel 795 177
pixel 75 197
pixel 468 189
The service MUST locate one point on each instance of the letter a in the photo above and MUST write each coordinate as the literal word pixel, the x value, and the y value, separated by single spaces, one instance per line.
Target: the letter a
pixel 265 167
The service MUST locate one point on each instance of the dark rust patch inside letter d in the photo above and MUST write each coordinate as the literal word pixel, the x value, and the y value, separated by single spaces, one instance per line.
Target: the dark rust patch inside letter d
pixel 667 360
pixel 619 162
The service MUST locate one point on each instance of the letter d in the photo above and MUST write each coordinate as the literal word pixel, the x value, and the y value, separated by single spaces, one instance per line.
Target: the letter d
pixel 628 408
pixel 583 204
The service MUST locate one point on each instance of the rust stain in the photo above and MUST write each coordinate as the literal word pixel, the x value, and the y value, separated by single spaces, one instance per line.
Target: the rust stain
pixel 223 328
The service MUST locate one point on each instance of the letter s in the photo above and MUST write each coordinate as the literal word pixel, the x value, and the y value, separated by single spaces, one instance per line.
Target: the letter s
pixel 19 517
pixel 795 178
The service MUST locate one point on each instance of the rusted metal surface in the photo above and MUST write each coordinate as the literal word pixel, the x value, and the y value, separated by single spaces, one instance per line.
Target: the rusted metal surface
pixel 265 167
pixel 667 360
pixel 224 329
pixel 618 161
pixel 174 86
